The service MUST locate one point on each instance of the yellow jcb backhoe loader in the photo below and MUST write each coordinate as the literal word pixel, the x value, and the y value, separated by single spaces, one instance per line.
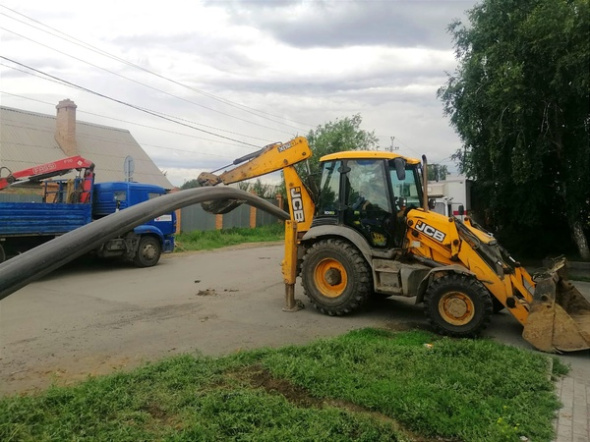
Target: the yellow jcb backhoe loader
pixel 368 230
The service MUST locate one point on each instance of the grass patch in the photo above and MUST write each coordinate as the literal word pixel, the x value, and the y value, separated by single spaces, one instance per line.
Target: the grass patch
pixel 367 385
pixel 215 239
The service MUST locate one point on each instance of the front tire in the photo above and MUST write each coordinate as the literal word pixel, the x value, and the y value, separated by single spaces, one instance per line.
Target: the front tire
pixel 458 305
pixel 148 252
pixel 336 277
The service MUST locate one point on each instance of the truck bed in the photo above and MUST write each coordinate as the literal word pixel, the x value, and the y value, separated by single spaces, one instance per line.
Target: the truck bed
pixel 24 219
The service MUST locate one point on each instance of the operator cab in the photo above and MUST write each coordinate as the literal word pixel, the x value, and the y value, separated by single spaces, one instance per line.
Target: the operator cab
pixel 369 192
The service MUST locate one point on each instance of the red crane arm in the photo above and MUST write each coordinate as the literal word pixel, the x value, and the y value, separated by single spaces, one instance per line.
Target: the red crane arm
pixel 47 170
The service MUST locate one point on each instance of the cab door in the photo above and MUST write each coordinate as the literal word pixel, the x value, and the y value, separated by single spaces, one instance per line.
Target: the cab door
pixel 367 201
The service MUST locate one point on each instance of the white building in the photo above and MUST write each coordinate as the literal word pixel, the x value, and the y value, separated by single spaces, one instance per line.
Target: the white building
pixel 451 194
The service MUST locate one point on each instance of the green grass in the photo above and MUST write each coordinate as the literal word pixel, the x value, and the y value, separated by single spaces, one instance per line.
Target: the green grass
pixel 367 385
pixel 214 239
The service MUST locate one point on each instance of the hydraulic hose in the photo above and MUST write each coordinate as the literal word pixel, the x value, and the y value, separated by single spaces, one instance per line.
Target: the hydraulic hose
pixel 19 271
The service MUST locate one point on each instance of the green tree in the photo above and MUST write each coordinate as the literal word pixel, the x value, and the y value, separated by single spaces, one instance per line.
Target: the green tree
pixel 335 136
pixel 258 187
pixel 519 100
pixel 437 172
pixel 190 184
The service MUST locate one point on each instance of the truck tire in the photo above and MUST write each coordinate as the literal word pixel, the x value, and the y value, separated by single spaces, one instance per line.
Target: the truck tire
pixel 458 305
pixel 336 278
pixel 148 252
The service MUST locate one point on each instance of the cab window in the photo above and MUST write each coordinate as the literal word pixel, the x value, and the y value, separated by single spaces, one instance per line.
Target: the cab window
pixel 330 188
pixel 367 185
pixel 409 189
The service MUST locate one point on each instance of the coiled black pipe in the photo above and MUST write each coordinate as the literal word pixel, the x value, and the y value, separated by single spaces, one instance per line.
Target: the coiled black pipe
pixel 35 263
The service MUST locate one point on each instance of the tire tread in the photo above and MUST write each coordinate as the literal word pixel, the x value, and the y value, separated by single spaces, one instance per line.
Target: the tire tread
pixel 471 284
pixel 361 277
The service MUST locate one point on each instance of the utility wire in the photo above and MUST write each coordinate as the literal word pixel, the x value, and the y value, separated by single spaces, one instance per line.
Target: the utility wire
pixel 253 111
pixel 148 127
pixel 142 109
pixel 146 85
pixel 125 121
pixel 226 157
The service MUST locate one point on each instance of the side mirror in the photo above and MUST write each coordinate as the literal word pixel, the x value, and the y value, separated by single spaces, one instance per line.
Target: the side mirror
pixel 461 210
pixel 431 203
pixel 400 168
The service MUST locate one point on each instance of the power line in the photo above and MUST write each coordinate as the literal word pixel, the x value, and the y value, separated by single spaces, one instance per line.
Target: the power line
pixel 176 149
pixel 142 109
pixel 143 84
pixel 255 112
pixel 148 127
pixel 265 140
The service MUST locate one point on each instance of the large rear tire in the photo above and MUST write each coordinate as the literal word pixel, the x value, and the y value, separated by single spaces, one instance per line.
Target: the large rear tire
pixel 148 252
pixel 336 277
pixel 458 305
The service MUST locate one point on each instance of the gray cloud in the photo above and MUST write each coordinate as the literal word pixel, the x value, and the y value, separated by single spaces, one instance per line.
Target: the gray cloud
pixel 420 23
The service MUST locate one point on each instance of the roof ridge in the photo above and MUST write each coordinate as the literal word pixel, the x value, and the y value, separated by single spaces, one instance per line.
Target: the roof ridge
pixel 38 114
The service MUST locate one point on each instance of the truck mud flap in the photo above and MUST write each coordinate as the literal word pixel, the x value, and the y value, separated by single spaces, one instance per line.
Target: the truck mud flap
pixel 559 318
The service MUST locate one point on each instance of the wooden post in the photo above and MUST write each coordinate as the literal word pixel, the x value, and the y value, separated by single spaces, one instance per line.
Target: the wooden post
pixel 252 213
pixel 219 221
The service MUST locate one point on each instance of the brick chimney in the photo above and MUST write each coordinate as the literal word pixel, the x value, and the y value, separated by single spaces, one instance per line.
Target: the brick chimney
pixel 65 130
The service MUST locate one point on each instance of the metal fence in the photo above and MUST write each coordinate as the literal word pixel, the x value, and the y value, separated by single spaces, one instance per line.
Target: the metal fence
pixel 195 218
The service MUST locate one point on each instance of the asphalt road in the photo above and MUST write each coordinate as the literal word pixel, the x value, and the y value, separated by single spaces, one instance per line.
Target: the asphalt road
pixel 93 318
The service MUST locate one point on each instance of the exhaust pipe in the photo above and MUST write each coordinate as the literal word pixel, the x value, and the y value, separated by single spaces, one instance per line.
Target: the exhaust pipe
pixel 425 204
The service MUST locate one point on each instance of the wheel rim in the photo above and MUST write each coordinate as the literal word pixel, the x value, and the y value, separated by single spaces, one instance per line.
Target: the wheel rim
pixel 330 277
pixel 456 308
pixel 149 251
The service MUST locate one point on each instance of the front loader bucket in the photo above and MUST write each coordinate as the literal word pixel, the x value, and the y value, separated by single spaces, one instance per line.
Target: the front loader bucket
pixel 559 318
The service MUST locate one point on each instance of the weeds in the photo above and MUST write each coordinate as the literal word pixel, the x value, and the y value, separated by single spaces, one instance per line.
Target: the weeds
pixel 367 385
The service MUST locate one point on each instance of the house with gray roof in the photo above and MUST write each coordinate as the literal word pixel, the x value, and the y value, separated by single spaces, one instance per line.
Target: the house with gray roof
pixel 29 139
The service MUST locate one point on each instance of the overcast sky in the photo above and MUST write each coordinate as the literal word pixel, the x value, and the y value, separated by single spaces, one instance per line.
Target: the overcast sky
pixel 236 75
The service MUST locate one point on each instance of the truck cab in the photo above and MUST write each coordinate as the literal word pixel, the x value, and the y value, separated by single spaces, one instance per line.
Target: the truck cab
pixel 146 242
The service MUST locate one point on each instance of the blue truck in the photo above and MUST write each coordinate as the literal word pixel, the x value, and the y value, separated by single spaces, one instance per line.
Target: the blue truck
pixel 66 204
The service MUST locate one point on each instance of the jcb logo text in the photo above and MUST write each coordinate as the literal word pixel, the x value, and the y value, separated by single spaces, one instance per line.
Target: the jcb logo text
pixel 430 231
pixel 297 204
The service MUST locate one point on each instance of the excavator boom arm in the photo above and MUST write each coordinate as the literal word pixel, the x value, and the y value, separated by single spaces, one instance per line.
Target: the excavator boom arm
pixel 271 158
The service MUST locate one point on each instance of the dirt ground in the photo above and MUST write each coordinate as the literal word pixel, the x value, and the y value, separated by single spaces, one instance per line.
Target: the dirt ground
pixel 90 318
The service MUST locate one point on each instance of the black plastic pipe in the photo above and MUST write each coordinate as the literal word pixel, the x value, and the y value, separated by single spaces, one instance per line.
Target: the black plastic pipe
pixel 19 271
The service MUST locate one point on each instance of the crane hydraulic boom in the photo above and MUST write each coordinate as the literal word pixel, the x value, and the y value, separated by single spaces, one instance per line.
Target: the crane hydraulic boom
pixel 47 170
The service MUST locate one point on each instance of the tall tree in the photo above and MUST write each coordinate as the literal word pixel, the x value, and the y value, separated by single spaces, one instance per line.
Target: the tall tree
pixel 437 172
pixel 336 136
pixel 519 100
